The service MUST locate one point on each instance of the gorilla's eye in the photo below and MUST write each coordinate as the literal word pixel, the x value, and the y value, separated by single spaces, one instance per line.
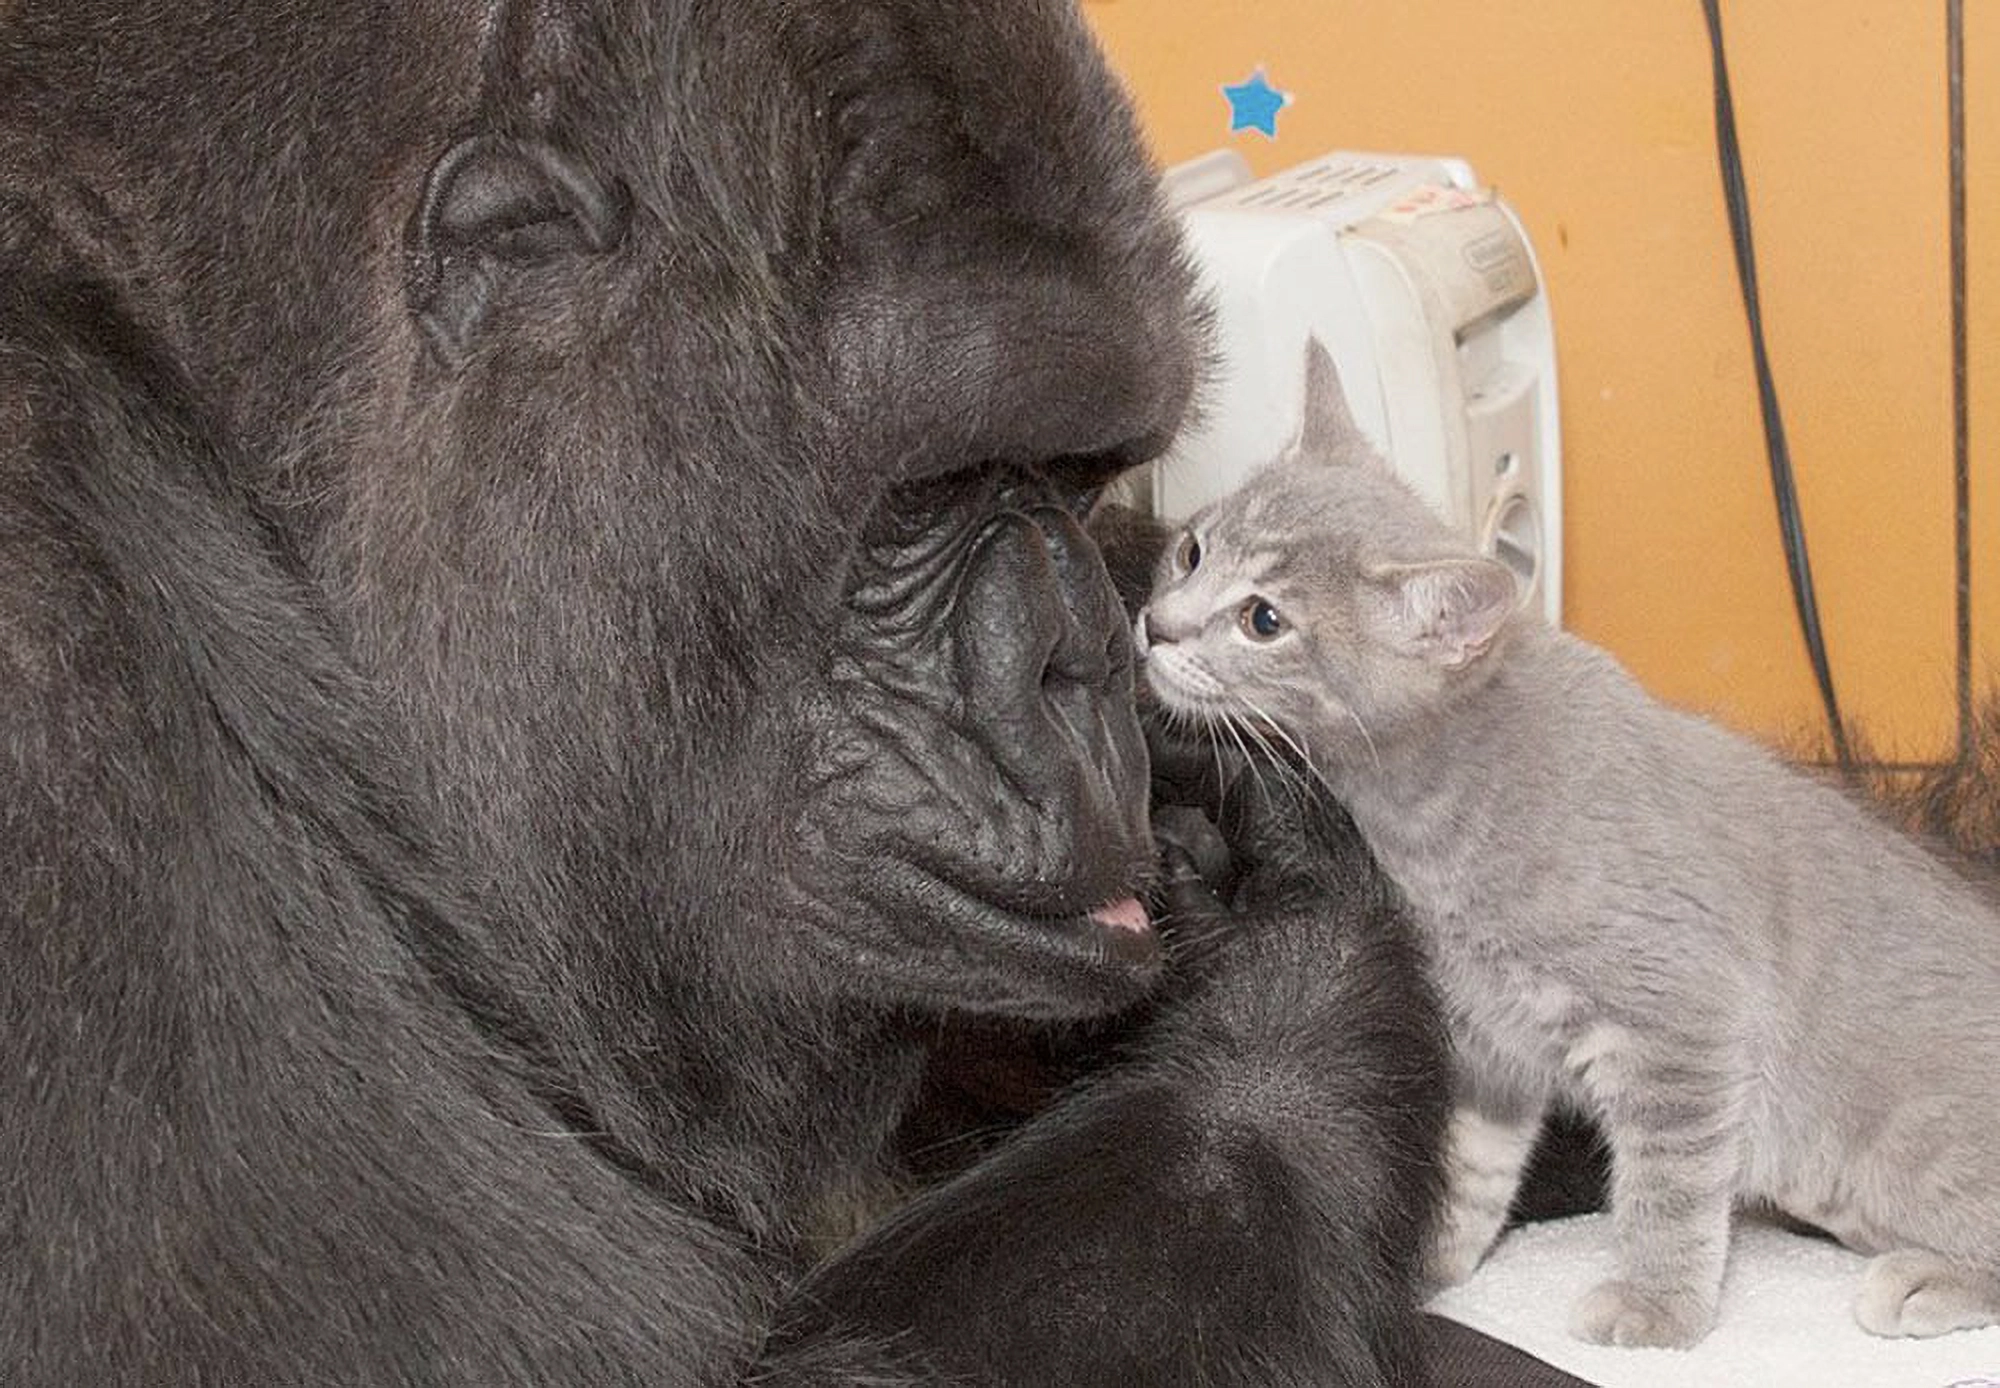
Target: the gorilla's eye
pixel 1260 621
pixel 1189 554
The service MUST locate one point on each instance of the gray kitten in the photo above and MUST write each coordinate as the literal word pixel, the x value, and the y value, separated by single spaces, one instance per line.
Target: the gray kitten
pixel 1763 994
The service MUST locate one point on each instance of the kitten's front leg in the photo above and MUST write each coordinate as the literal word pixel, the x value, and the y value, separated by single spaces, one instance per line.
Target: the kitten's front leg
pixel 1674 1128
pixel 1486 1151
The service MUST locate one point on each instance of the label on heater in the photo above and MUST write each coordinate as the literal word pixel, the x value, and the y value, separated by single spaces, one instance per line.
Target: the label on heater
pixel 1465 249
pixel 1429 199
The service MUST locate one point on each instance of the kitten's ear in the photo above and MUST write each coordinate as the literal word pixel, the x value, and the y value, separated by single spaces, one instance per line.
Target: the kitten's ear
pixel 1445 610
pixel 1327 431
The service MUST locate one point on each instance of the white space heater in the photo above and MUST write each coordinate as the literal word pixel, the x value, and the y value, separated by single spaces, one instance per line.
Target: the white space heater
pixel 1423 287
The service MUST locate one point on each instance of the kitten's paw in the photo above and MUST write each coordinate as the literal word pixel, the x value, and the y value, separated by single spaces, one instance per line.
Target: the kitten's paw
pixel 1618 1313
pixel 1916 1292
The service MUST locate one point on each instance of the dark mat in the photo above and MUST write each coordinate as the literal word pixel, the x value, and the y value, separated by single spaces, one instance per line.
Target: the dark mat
pixel 1461 1357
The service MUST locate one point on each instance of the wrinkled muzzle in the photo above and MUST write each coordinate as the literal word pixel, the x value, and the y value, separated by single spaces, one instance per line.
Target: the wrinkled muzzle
pixel 994 771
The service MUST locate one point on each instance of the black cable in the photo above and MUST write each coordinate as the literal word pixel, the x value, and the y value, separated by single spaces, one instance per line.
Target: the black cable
pixel 1961 432
pixel 1790 526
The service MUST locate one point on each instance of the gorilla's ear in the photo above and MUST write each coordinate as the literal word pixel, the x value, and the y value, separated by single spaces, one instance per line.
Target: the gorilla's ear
pixel 494 205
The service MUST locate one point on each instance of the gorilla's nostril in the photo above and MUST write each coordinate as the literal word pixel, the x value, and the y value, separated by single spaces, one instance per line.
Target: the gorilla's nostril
pixel 1120 650
pixel 1077 660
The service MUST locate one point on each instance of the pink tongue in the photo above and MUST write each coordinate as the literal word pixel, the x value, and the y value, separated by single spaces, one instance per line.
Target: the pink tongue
pixel 1127 914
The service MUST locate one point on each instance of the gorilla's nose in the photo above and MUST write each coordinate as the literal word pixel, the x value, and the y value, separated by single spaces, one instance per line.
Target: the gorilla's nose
pixel 1047 650
pixel 1093 648
pixel 1084 655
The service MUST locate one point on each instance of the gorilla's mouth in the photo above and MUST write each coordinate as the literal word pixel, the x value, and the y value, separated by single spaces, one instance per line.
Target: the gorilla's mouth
pixel 1121 929
pixel 1096 946
pixel 1126 932
pixel 1123 914
pixel 1117 933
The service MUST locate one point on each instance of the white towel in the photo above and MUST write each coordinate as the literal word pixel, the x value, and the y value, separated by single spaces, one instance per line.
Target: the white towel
pixel 1785 1320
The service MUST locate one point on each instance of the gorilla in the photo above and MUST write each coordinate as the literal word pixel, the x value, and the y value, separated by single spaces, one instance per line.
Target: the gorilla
pixel 551 652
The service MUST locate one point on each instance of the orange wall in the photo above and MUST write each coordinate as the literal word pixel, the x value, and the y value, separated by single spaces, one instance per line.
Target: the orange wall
pixel 1594 121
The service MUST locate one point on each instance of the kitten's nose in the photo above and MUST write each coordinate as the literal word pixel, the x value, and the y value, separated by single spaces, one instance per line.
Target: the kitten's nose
pixel 1145 634
pixel 1148 631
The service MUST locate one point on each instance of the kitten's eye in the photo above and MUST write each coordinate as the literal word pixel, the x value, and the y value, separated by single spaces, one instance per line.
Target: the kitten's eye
pixel 1189 555
pixel 1260 621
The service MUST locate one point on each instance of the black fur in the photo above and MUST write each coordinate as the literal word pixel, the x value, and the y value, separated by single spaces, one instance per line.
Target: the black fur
pixel 545 642
pixel 1243 1198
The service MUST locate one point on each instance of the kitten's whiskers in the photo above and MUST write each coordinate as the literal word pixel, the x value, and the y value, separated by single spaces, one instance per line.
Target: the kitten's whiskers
pixel 1362 728
pixel 1288 778
pixel 1301 779
pixel 1275 726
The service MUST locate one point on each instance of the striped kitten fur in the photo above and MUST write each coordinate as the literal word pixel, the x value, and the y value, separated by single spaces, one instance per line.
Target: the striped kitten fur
pixel 1761 993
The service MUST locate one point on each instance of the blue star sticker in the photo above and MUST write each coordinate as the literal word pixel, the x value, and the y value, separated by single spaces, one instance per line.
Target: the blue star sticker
pixel 1253 105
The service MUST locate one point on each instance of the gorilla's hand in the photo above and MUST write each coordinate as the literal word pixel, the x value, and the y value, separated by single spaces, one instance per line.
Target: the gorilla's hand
pixel 1188 897
pixel 1191 848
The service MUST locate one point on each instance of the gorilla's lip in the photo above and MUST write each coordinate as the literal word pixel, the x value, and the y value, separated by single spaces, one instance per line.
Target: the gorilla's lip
pixel 1116 932
pixel 1120 938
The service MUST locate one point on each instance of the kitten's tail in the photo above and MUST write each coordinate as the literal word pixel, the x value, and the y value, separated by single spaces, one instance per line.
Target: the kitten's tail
pixel 1955 804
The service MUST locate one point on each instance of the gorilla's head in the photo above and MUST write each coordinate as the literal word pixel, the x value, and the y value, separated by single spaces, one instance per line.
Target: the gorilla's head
pixel 694 447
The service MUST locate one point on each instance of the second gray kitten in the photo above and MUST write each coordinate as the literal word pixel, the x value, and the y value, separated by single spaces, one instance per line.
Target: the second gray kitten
pixel 1762 993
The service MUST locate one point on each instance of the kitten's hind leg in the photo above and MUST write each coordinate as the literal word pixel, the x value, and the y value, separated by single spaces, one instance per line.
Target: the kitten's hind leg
pixel 1487 1150
pixel 1916 1292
